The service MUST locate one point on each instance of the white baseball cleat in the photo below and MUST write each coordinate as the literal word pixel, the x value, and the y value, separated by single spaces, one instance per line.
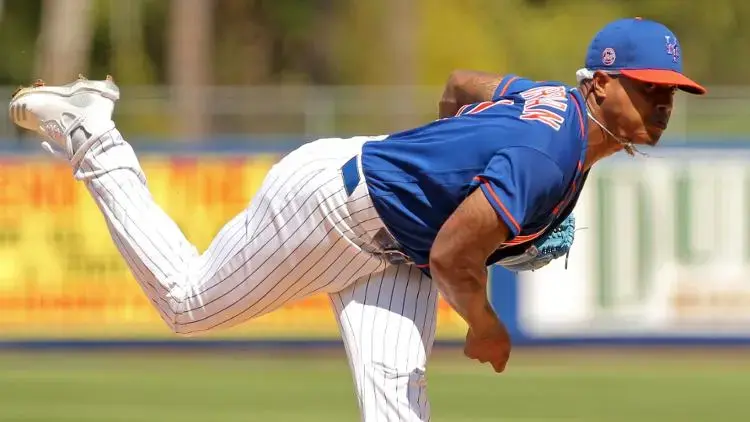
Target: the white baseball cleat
pixel 55 112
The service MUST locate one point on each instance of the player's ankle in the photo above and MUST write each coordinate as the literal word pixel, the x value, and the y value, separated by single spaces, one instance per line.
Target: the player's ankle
pixel 86 134
pixel 106 153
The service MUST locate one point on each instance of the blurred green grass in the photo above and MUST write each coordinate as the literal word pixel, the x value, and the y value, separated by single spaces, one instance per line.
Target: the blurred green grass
pixel 540 385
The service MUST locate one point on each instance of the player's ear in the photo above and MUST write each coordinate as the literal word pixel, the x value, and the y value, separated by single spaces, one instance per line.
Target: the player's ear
pixel 599 86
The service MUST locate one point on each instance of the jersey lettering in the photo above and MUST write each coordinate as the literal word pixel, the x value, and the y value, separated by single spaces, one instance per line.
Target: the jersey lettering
pixel 555 97
pixel 480 107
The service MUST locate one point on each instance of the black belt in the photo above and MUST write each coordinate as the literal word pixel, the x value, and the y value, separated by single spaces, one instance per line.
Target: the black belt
pixel 350 174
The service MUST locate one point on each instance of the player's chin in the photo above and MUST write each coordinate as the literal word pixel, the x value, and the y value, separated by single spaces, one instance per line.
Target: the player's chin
pixel 650 136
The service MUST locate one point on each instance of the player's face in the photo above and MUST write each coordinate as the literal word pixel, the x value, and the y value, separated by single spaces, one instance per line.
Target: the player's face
pixel 639 111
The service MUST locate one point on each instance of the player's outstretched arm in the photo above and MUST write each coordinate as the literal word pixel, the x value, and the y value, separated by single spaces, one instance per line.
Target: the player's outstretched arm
pixel 466 87
pixel 458 267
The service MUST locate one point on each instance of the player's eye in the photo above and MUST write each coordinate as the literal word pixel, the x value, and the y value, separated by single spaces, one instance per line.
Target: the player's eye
pixel 652 88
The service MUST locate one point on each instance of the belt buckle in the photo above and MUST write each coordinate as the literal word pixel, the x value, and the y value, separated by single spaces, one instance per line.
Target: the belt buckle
pixel 396 257
pixel 390 249
pixel 385 241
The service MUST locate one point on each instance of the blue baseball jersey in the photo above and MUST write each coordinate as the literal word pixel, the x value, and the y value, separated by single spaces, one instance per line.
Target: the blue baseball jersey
pixel 524 149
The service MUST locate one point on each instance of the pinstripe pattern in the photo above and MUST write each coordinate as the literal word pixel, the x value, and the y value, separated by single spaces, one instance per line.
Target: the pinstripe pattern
pixel 301 235
pixel 387 320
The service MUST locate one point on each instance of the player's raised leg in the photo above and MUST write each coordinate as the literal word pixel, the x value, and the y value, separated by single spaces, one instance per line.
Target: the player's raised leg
pixel 296 238
pixel 387 320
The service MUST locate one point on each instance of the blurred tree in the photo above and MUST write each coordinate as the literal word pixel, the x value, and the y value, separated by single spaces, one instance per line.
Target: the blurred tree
pixel 65 40
pixel 190 66
pixel 18 35
pixel 510 36
pixel 400 36
pixel 189 43
pixel 128 57
pixel 350 42
pixel 274 41
pixel 318 59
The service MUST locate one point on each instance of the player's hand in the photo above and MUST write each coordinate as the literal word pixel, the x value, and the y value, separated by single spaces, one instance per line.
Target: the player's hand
pixel 492 345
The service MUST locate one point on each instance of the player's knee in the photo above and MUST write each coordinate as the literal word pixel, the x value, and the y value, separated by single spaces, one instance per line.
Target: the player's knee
pixel 179 316
pixel 182 328
pixel 404 390
pixel 393 370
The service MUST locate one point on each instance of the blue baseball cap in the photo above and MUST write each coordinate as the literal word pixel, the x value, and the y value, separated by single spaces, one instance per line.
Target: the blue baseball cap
pixel 643 50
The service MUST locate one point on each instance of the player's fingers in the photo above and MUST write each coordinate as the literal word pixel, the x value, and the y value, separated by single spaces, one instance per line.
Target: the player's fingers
pixel 472 356
pixel 478 356
pixel 475 355
pixel 471 350
pixel 499 366
pixel 500 360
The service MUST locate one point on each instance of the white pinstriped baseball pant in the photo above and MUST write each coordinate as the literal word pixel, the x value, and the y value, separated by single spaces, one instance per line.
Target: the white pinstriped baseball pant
pixel 300 235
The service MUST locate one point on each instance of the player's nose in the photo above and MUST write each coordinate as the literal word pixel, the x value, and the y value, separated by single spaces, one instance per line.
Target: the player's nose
pixel 664 109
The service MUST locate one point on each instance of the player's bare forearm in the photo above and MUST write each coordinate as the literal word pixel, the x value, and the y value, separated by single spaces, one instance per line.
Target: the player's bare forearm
pixel 466 87
pixel 463 284
pixel 458 258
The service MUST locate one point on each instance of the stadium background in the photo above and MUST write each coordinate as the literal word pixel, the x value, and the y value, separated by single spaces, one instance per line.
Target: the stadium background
pixel 649 320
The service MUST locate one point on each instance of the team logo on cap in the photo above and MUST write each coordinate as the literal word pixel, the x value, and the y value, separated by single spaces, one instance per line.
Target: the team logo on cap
pixel 673 49
pixel 608 56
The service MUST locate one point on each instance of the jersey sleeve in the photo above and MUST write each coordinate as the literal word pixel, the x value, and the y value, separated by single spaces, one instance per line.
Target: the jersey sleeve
pixel 518 182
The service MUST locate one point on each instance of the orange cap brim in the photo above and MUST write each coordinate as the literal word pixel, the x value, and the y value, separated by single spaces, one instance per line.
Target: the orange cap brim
pixel 665 77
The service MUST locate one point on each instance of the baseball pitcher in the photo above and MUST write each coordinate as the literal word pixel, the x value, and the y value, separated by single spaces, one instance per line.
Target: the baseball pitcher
pixel 381 224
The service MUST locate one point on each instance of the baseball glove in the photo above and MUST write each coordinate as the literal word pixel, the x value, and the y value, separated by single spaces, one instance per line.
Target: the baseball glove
pixel 545 249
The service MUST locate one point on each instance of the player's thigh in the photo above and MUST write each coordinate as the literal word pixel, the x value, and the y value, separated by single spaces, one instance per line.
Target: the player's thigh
pixel 285 246
pixel 387 321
